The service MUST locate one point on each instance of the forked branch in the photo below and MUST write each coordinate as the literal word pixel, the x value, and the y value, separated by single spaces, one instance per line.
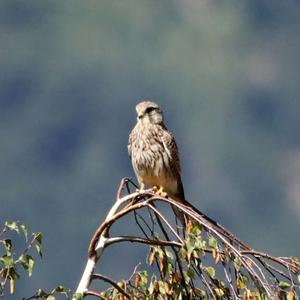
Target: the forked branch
pixel 206 261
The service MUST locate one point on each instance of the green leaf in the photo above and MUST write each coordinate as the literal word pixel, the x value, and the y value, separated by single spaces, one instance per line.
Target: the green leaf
pixel 242 282
pixel 219 292
pixel 200 244
pixel 30 264
pixel 78 296
pixel 13 273
pixel 264 297
pixel 22 260
pixel 188 275
pixel 195 230
pixel 13 226
pixel 41 293
pixel 237 263
pixel 61 290
pixel 38 248
pixel 38 237
pixel 7 245
pixel 12 286
pixel 151 288
pixel 162 289
pixel 190 248
pixel 142 278
pixel 169 254
pixel 27 263
pixel 50 297
pixel 197 262
pixel 212 242
pixel 25 231
pixel 7 261
pixel 211 272
pixel 284 285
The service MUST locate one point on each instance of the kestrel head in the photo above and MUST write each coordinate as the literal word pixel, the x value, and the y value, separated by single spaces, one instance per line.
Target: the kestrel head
pixel 149 112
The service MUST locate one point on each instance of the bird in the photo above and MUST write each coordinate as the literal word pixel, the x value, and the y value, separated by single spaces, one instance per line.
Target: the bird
pixel 154 155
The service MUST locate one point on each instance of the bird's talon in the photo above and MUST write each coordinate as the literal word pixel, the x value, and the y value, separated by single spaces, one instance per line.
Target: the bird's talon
pixel 160 192
pixel 141 190
pixel 154 189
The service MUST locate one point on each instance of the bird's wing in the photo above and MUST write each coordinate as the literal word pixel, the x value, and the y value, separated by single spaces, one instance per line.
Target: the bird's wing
pixel 129 145
pixel 172 149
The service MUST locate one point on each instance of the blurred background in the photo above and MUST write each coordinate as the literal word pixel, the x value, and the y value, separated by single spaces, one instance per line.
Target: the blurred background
pixel 227 76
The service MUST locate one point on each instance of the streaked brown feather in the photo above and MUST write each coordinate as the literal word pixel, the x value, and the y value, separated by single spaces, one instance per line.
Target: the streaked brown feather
pixel 154 153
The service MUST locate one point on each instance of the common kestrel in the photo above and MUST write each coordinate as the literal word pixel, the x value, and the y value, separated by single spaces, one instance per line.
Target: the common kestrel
pixel 154 154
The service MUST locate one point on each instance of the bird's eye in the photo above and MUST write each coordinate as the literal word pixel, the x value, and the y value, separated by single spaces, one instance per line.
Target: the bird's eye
pixel 149 109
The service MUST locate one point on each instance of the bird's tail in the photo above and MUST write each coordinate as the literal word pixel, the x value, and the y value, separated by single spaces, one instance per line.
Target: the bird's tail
pixel 179 197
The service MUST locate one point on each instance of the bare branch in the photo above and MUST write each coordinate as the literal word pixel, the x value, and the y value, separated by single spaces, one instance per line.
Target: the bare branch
pixel 188 263
pixel 110 281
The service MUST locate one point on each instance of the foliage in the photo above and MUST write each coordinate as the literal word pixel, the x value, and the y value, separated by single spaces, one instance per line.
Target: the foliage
pixel 205 261
pixel 52 295
pixel 201 261
pixel 11 263
pixel 192 278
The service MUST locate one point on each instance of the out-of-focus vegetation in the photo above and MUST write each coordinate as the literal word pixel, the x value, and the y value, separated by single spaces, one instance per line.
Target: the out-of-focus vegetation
pixel 227 77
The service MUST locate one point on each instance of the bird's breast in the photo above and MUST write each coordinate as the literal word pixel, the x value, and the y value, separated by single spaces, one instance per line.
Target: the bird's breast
pixel 150 159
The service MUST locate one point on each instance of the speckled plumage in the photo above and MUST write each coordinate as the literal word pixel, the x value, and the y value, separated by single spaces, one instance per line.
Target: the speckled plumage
pixel 154 153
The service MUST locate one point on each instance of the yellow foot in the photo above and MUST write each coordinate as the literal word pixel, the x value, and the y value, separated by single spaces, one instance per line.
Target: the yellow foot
pixel 160 192
pixel 154 189
pixel 141 189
